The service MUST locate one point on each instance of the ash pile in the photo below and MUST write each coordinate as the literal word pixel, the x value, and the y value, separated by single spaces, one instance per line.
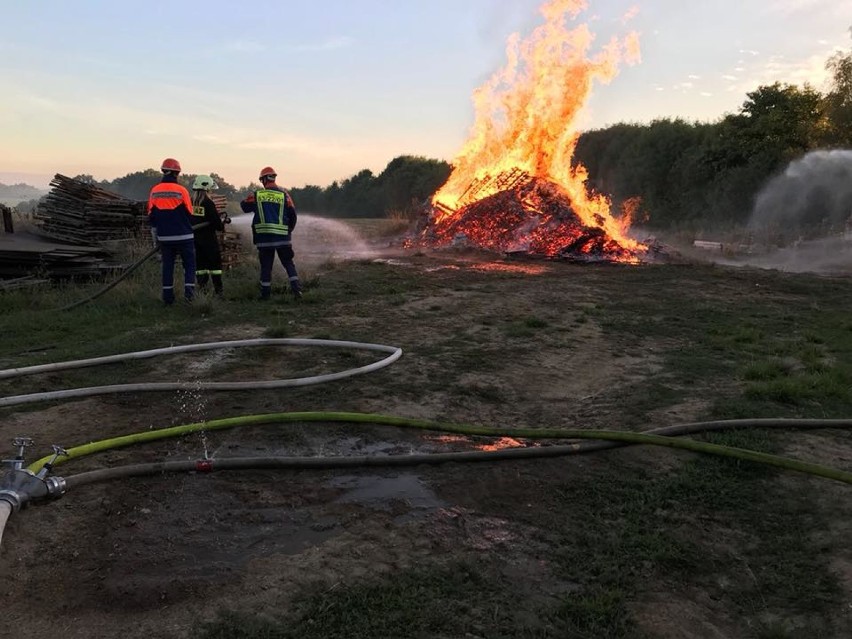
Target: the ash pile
pixel 527 216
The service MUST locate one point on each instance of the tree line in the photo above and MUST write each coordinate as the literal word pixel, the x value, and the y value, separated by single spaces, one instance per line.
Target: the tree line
pixel 690 174
pixel 406 183
pixel 686 174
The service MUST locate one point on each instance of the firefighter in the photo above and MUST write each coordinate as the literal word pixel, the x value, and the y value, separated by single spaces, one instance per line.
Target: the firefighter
pixel 170 216
pixel 208 258
pixel 272 228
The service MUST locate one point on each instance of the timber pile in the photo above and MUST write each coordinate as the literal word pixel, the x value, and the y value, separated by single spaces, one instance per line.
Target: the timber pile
pixel 25 256
pixel 229 241
pixel 6 215
pixel 527 216
pixel 78 213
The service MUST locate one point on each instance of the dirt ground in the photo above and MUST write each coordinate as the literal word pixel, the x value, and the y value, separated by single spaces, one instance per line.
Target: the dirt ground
pixel 154 557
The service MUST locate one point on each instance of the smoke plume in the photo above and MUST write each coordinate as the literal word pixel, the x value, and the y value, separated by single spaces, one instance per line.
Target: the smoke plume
pixel 812 199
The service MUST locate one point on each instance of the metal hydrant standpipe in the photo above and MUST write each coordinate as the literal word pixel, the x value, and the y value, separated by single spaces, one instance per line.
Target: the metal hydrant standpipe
pixel 19 485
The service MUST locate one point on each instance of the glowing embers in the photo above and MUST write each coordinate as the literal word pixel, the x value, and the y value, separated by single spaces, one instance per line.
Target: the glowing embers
pixel 534 217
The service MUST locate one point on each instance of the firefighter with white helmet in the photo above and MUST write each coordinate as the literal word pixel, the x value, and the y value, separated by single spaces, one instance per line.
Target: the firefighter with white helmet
pixel 208 256
pixel 170 216
pixel 272 228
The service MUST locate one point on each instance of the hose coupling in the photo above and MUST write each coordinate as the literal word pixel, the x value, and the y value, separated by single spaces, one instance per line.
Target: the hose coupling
pixel 19 486
pixel 204 466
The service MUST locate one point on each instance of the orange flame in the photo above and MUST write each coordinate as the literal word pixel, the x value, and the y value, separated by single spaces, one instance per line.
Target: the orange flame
pixel 525 117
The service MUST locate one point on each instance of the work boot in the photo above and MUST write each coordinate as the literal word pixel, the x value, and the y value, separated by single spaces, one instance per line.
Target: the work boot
pixel 189 293
pixel 217 285
pixel 265 292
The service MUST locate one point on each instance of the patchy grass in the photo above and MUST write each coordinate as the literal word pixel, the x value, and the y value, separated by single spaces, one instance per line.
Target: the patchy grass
pixel 456 600
pixel 743 542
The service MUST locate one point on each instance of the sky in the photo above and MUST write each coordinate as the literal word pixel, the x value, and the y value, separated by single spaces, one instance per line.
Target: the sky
pixel 323 89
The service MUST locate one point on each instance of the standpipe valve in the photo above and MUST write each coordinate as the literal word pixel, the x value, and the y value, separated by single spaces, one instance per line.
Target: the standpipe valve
pixel 19 486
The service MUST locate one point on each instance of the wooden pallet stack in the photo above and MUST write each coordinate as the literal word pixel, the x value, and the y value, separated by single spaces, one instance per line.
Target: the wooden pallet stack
pixel 6 215
pixel 23 255
pixel 229 241
pixel 75 212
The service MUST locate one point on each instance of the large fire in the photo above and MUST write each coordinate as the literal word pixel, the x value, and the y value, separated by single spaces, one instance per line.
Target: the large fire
pixel 513 186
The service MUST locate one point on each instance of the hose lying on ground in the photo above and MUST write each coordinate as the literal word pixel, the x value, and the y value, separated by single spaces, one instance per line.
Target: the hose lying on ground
pixel 394 353
pixel 605 439
pixel 130 269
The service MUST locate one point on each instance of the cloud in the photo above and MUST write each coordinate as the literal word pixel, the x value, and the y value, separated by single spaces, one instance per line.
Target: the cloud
pixel 706 94
pixel 210 139
pixel 793 6
pixel 330 44
pixel 751 52
pixel 809 70
pixel 244 46
pixel 694 77
pixel 730 78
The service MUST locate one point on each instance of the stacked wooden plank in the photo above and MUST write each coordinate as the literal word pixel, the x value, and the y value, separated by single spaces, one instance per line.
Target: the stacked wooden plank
pixel 6 215
pixel 229 242
pixel 79 213
pixel 23 255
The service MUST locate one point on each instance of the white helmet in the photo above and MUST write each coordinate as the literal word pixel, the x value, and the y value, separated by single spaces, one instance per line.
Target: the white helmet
pixel 204 183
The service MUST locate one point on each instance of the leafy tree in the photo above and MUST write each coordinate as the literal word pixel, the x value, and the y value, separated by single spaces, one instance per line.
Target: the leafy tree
pixel 838 102
pixel 705 173
pixel 88 179
pixel 405 183
pixel 137 185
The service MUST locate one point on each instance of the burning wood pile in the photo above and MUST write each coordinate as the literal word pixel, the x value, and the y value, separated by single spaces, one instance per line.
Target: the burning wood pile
pixel 514 186
pixel 525 215
pixel 75 212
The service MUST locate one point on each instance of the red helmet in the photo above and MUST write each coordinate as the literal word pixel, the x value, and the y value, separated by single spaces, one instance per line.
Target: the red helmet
pixel 170 164
pixel 268 172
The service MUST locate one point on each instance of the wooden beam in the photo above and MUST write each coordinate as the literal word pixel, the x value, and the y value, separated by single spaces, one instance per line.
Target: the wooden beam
pixel 7 219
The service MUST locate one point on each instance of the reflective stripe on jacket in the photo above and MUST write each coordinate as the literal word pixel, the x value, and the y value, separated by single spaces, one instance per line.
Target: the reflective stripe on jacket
pixel 170 211
pixel 274 216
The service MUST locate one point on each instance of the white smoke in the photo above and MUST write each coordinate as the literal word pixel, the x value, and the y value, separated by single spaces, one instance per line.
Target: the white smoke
pixel 801 222
pixel 316 240
pixel 812 199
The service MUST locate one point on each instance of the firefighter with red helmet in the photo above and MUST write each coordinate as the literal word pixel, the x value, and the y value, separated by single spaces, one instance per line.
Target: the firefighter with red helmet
pixel 170 216
pixel 272 227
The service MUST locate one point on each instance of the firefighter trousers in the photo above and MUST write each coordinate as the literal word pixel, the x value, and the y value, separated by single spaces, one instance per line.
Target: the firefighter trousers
pixel 266 255
pixel 170 251
pixel 208 259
